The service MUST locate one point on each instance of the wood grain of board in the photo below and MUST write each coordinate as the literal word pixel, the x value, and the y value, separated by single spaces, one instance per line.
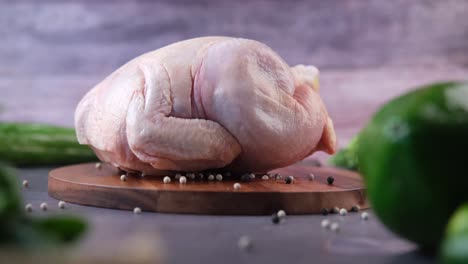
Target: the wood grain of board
pixel 84 184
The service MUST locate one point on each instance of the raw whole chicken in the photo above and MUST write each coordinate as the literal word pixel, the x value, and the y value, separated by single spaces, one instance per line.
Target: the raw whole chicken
pixel 206 103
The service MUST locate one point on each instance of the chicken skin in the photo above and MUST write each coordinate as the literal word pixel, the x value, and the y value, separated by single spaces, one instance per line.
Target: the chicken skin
pixel 206 103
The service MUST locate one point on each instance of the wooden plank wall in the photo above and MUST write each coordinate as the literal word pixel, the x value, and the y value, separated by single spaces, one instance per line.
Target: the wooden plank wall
pixel 95 37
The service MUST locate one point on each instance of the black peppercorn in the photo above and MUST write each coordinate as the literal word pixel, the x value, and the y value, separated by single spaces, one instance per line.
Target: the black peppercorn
pixel 335 210
pixel 245 178
pixel 330 180
pixel 275 219
pixel 278 176
pixel 355 208
pixel 324 211
pixel 289 179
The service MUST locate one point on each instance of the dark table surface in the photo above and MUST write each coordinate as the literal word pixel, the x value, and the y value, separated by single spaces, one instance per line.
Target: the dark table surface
pixel 172 238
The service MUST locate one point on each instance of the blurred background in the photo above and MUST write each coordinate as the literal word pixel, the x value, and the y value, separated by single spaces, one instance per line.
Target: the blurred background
pixel 52 52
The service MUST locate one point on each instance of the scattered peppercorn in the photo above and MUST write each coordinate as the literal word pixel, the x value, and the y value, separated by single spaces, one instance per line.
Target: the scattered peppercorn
pixel 219 177
pixel 137 210
pixel 330 180
pixel 252 176
pixel 265 177
pixel 123 177
pixel 62 204
pixel 28 207
pixel 237 186
pixel 325 223
pixel 355 208
pixel 324 211
pixel 335 227
pixel 167 179
pixel 275 219
pixel 343 212
pixel 43 206
pixel 211 177
pixel 364 216
pixel 289 179
pixel 278 176
pixel 335 210
pixel 98 165
pixel 182 179
pixel 245 178
pixel 25 183
pixel 311 177
pixel 281 214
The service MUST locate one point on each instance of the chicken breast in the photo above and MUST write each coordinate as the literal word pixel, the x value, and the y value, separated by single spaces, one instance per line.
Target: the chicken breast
pixel 206 103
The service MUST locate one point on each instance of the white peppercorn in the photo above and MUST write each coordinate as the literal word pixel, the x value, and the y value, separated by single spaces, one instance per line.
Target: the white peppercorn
pixel 364 216
pixel 325 223
pixel 43 206
pixel 137 210
pixel 62 204
pixel 219 177
pixel 335 227
pixel 343 212
pixel 25 183
pixel 182 179
pixel 281 214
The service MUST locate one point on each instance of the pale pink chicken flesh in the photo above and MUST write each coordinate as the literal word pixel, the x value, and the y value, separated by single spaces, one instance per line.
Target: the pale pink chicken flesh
pixel 206 103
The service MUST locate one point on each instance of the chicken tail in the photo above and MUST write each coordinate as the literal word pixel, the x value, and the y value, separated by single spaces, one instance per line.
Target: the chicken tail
pixel 328 141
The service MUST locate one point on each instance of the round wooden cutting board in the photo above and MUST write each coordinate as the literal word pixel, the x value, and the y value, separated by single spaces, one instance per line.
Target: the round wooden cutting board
pixel 85 184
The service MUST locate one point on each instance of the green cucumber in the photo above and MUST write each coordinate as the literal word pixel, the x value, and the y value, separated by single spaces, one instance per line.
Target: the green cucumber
pixel 347 158
pixel 10 203
pixel 21 230
pixel 26 144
